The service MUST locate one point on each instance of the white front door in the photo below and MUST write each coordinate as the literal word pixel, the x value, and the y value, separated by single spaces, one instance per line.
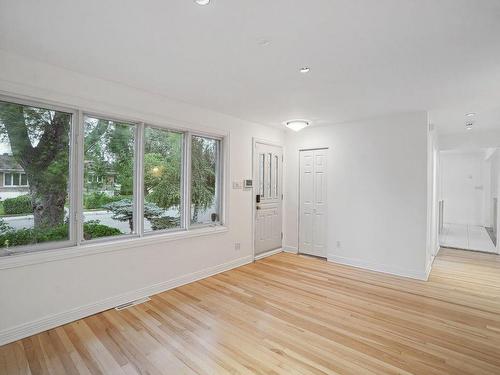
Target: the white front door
pixel 313 202
pixel 268 161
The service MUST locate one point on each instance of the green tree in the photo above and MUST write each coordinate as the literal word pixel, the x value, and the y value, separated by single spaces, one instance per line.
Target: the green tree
pixel 162 167
pixel 39 140
pixel 122 211
pixel 203 174
pixel 109 148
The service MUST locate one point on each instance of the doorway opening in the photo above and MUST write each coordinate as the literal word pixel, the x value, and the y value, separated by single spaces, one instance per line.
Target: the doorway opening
pixel 468 201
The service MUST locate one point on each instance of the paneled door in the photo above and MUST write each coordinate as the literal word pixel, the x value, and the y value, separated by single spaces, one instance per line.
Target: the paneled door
pixel 313 202
pixel 268 161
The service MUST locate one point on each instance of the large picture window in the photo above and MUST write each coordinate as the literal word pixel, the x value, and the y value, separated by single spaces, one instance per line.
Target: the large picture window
pixel 68 178
pixel 108 194
pixel 34 146
pixel 163 151
pixel 205 177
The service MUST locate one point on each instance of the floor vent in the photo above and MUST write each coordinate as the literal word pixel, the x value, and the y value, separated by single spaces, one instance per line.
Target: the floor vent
pixel 132 303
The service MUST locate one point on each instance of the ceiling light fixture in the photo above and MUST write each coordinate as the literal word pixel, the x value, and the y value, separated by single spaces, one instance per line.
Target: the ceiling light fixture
pixel 305 70
pixel 468 125
pixel 297 125
pixel 202 2
pixel 470 114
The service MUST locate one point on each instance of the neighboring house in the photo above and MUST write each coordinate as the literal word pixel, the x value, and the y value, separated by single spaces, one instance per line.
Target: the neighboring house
pixel 104 182
pixel 13 180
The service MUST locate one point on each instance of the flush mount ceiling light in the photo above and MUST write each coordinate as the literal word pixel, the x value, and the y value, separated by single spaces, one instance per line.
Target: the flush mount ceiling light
pixel 202 2
pixel 470 114
pixel 305 70
pixel 297 124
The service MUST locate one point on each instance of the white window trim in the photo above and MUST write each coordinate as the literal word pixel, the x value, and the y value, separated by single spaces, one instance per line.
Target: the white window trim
pixel 75 246
pixel 112 244
pixel 12 173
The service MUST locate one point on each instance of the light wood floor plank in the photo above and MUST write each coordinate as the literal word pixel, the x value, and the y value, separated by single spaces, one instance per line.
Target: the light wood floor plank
pixel 289 314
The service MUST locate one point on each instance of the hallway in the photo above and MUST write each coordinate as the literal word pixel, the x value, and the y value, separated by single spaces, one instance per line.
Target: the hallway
pixel 468 237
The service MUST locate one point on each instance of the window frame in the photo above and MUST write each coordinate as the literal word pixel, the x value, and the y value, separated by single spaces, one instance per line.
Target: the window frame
pixel 182 219
pixel 218 181
pixel 75 245
pixel 72 180
pixel 12 173
pixel 81 182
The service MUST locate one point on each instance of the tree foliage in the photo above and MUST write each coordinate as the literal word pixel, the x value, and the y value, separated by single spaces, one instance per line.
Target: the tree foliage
pixel 203 174
pixel 39 140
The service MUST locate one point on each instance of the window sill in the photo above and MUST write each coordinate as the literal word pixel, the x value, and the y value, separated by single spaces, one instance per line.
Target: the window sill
pixel 25 259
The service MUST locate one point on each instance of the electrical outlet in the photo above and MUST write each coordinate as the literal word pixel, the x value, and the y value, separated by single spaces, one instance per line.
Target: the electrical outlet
pixel 237 246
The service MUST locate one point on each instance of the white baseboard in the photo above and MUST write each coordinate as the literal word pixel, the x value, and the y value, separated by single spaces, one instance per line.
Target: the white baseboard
pixel 268 254
pixel 290 249
pixel 413 274
pixel 48 322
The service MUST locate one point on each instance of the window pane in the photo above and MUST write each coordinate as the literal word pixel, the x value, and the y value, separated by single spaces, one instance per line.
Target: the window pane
pixel 36 141
pixel 108 178
pixel 262 158
pixel 162 179
pixel 24 179
pixel 204 180
pixel 8 177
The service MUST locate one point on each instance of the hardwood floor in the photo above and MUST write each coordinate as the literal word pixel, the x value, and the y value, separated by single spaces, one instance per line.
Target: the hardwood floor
pixel 289 314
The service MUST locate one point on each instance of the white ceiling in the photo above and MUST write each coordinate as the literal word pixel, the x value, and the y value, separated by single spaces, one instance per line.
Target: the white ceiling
pixel 367 57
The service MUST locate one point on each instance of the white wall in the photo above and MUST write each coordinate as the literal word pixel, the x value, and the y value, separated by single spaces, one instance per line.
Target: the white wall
pixel 38 296
pixel 377 191
pixel 471 140
pixel 464 180
pixel 432 195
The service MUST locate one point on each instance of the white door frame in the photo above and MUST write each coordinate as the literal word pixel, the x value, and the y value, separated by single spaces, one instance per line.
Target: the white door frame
pixel 254 144
pixel 298 190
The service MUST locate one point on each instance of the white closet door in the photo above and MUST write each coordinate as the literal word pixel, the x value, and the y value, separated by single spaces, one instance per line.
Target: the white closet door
pixel 313 202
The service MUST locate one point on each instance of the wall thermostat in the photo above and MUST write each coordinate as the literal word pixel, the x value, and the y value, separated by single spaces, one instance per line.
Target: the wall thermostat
pixel 247 184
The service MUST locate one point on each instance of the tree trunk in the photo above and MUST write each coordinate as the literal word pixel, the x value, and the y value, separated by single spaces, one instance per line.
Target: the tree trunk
pixel 195 214
pixel 47 202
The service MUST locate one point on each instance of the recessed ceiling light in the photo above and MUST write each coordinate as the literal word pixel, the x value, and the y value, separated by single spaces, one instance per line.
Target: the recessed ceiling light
pixel 305 70
pixel 297 124
pixel 202 2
